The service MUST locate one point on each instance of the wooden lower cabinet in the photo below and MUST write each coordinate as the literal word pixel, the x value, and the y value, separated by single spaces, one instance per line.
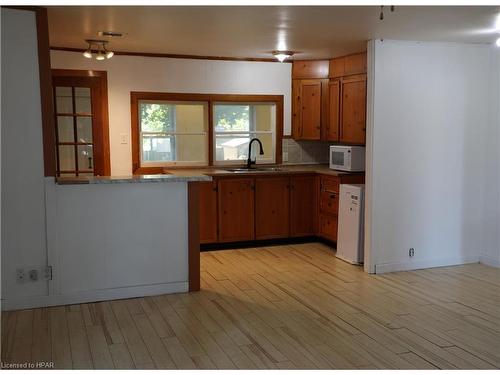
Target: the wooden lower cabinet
pixel 328 226
pixel 236 209
pixel 303 205
pixel 329 202
pixel 272 207
pixel 208 212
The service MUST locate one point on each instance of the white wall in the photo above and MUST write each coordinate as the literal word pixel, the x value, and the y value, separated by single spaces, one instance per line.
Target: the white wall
pixel 23 203
pixel 430 124
pixel 491 253
pixel 132 73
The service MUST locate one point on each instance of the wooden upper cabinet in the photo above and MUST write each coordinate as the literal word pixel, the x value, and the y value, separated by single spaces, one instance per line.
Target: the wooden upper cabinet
pixel 310 110
pixel 353 119
pixel 303 205
pixel 236 209
pixel 208 212
pixel 306 69
pixel 348 65
pixel 272 207
pixel 332 126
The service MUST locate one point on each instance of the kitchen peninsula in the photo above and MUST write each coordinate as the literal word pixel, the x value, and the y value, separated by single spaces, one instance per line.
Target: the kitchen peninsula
pixel 119 237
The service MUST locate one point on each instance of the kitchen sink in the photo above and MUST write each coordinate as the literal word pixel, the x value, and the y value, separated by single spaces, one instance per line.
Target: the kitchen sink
pixel 253 170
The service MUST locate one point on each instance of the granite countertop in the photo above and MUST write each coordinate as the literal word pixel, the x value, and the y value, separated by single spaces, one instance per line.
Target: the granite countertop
pixel 202 174
pixel 281 169
pixel 147 178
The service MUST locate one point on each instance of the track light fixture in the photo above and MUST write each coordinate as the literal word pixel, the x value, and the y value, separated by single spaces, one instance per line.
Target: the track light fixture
pixel 381 15
pixel 101 54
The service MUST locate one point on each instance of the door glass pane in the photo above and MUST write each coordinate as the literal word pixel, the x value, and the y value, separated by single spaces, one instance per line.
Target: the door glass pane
pixel 67 158
pixel 85 158
pixel 82 100
pixel 65 129
pixel 64 100
pixel 84 129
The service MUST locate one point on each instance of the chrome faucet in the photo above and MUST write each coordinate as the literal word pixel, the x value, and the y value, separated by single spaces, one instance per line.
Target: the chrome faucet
pixel 261 152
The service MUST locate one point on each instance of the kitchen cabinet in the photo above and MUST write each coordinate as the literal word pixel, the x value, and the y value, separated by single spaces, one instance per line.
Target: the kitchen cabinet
pixel 332 132
pixel 329 202
pixel 272 207
pixel 348 65
pixel 309 99
pixel 310 110
pixel 208 212
pixel 236 209
pixel 328 226
pixel 331 109
pixel 353 112
pixel 303 205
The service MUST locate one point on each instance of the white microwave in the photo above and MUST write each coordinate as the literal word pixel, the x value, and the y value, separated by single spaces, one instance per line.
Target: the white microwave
pixel 347 158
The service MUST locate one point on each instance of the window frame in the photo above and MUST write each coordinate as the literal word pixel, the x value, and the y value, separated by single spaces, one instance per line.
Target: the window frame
pixel 252 131
pixel 211 99
pixel 172 134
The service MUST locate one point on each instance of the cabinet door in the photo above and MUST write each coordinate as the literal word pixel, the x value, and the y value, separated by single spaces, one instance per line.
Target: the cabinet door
pixel 353 122
pixel 303 205
pixel 332 127
pixel 236 209
pixel 208 212
pixel 310 114
pixel 328 227
pixel 272 207
pixel 355 64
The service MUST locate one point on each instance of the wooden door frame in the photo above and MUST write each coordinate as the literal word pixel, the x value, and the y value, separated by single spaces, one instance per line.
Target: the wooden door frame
pixel 101 77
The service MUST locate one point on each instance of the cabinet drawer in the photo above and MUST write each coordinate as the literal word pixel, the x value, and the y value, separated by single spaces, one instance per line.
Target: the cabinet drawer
pixel 330 184
pixel 328 226
pixel 329 201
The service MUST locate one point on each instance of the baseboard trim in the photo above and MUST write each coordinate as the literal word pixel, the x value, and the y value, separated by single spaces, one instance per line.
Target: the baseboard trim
pixel 420 264
pixel 16 303
pixel 489 261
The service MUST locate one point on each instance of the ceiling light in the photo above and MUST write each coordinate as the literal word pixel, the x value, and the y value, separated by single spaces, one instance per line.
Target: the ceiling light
pixel 282 55
pixel 100 56
pixel 88 53
pixel 102 52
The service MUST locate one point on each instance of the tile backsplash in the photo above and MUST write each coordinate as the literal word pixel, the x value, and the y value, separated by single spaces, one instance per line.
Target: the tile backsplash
pixel 305 152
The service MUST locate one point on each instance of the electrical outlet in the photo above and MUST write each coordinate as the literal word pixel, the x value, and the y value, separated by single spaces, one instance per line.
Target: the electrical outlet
pixel 124 138
pixel 411 252
pixel 33 275
pixel 47 273
pixel 20 276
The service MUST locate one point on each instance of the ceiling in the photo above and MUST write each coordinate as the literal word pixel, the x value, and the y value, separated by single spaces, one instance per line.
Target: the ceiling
pixel 255 31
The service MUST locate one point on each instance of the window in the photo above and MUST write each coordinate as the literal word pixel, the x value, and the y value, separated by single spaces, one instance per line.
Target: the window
pixel 173 133
pixel 203 129
pixel 235 124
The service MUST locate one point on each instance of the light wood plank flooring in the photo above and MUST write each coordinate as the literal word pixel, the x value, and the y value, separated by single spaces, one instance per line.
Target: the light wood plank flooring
pixel 293 306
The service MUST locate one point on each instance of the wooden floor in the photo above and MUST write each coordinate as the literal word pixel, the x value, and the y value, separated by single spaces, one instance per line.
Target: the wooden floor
pixel 293 306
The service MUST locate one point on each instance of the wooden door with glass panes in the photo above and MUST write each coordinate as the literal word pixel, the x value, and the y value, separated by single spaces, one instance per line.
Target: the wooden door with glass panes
pixel 81 147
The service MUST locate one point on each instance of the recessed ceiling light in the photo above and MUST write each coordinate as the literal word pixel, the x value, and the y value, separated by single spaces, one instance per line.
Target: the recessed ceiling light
pixel 282 55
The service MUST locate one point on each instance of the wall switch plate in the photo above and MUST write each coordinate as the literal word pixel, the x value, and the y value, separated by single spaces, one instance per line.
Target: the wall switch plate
pixel 123 138
pixel 20 276
pixel 47 273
